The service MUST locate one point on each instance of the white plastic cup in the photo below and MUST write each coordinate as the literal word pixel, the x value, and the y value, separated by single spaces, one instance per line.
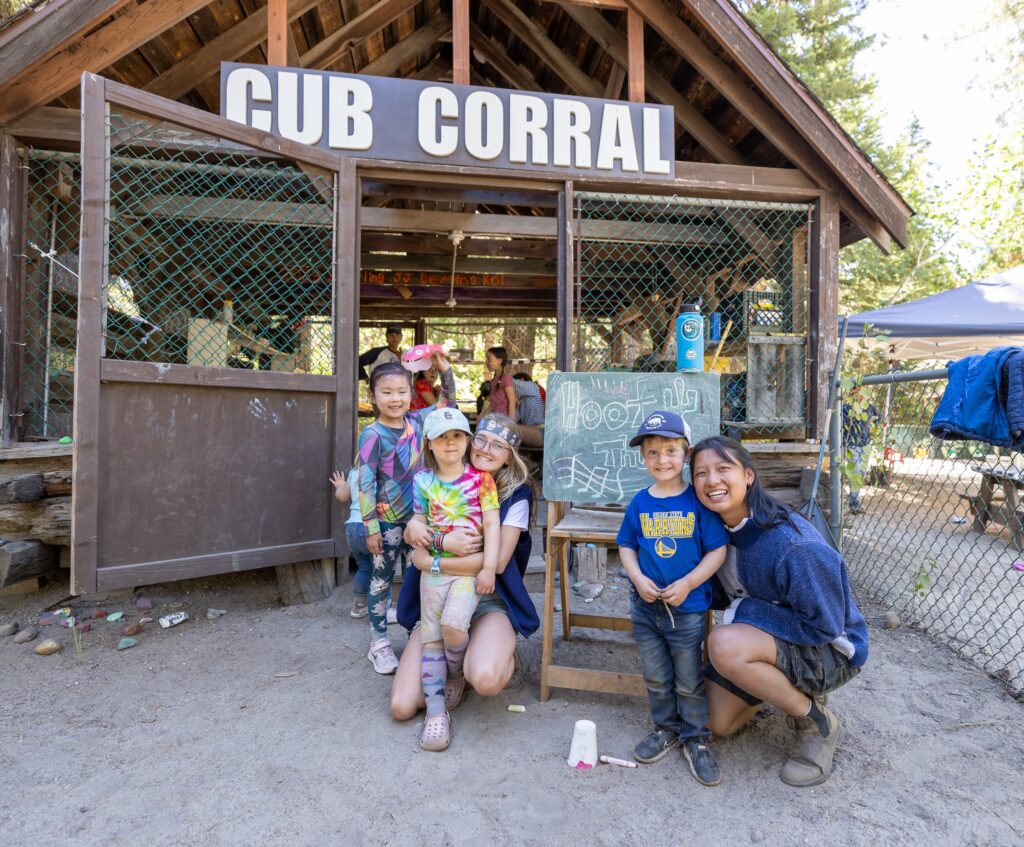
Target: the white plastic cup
pixel 583 753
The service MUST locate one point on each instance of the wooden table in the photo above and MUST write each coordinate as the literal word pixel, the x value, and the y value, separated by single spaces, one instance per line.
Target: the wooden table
pixel 587 526
pixel 1008 513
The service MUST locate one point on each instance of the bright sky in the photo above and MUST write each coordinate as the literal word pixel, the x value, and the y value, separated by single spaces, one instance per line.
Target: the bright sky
pixel 930 61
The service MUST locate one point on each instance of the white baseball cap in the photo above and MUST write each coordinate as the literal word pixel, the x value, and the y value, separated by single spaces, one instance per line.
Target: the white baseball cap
pixel 445 420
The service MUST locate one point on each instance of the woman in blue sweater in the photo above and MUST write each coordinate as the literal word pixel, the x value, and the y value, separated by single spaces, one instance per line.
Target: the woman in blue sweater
pixel 500 616
pixel 791 631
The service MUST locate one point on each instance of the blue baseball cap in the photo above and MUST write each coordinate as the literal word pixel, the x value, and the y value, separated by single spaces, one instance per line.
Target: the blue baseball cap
pixel 665 424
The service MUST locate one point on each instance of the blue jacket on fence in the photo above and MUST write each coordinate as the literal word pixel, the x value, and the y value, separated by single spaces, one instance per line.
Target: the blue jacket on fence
pixel 522 614
pixel 983 395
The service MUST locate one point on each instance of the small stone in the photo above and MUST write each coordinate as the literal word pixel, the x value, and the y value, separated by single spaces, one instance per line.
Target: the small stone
pixel 47 620
pixel 126 643
pixel 84 626
pixel 115 616
pixel 756 836
pixel 1004 674
pixel 589 590
pixel 48 647
pixel 145 620
pixel 177 604
pixel 99 614
pixel 8 629
pixel 143 604
pixel 891 620
pixel 26 635
pixel 213 614
pixel 132 629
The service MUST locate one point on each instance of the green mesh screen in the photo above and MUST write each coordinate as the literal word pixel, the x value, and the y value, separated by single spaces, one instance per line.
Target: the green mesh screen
pixel 640 258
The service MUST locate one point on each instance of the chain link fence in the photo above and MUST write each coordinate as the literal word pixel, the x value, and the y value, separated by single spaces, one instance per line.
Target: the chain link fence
pixel 934 528
pixel 641 258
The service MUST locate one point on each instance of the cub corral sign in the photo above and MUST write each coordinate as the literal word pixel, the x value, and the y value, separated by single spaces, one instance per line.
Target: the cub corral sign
pixel 414 121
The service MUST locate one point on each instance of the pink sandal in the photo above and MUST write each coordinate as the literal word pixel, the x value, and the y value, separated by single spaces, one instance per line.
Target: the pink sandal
pixel 437 733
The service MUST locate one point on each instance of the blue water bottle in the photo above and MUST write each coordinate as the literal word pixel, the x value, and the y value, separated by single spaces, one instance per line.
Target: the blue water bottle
pixel 690 339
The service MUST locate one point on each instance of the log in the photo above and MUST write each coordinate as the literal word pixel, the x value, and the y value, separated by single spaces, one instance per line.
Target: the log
pixel 306 582
pixel 20 560
pixel 47 520
pixel 57 483
pixel 21 488
pixel 591 563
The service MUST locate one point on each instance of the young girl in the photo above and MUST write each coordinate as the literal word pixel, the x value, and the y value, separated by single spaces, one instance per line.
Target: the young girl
pixel 390 454
pixel 424 390
pixel 503 392
pixel 450 495
pixel 355 533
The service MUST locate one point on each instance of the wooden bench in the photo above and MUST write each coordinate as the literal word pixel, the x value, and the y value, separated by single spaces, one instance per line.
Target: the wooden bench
pixel 986 508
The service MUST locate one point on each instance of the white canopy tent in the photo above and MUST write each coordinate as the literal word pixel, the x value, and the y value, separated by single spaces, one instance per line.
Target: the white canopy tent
pixel 973 318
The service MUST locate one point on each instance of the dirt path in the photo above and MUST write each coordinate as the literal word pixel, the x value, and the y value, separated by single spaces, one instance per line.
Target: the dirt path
pixel 268 726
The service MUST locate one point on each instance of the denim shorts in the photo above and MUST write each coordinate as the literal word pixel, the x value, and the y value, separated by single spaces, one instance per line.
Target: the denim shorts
pixel 814 669
pixel 489 603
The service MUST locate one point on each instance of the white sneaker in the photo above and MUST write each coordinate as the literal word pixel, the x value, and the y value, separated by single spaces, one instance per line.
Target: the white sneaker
pixel 391 616
pixel 382 656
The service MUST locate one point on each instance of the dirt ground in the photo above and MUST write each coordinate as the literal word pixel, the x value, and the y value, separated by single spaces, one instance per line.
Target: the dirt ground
pixel 269 726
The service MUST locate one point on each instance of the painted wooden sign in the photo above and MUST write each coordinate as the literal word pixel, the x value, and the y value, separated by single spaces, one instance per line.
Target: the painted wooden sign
pixel 368 277
pixel 414 121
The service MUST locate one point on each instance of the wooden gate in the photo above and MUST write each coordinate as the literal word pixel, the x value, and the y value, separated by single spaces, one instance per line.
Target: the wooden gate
pixel 217 312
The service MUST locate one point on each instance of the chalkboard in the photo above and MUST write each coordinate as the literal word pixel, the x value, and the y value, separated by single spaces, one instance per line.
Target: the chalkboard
pixel 590 418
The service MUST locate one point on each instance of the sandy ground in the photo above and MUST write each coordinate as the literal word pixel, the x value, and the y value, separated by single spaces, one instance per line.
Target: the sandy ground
pixel 268 726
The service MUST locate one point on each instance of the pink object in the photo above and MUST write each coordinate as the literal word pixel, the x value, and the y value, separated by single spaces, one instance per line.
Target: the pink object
pixel 417 358
pixel 1018 566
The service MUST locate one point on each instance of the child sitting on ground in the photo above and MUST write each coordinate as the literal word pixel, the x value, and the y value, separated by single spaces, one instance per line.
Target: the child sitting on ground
pixel 450 494
pixel 670 546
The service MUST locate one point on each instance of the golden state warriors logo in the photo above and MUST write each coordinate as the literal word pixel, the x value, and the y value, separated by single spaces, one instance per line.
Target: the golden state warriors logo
pixel 665 547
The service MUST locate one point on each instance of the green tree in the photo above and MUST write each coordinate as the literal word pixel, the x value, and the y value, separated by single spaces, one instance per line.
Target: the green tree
pixel 821 40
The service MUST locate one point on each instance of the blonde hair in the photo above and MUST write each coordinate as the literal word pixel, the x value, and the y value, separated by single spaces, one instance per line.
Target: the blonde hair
pixel 514 472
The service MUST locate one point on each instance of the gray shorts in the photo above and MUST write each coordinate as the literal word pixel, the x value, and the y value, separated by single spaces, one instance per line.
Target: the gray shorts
pixel 489 603
pixel 812 669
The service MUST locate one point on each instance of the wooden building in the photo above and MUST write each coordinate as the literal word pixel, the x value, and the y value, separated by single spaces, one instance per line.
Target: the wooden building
pixel 205 357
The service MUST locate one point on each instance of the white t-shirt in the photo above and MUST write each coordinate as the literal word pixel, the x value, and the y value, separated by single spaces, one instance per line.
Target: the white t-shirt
pixel 518 515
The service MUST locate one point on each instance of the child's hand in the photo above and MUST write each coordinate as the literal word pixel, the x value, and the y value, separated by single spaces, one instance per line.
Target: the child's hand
pixel 675 593
pixel 440 361
pixel 418 534
pixel 647 590
pixel 375 544
pixel 485 582
pixel 341 490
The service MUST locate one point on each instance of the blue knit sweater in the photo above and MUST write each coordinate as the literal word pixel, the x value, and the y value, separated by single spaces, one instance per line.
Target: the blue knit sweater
pixel 798 585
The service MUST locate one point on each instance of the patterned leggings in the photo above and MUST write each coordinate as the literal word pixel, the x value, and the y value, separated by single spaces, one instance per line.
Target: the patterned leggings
pixel 384 566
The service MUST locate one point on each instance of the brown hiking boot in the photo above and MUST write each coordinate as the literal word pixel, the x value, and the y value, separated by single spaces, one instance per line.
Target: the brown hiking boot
pixel 810 762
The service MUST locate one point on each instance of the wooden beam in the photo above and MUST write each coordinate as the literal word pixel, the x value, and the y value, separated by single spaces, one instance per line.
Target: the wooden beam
pixel 514 74
pixel 455 194
pixel 537 40
pixel 597 4
pixel 818 128
pixel 12 214
pixel 93 53
pixel 199 66
pixel 460 42
pixel 507 267
pixel 439 245
pixel 775 128
pixel 824 305
pixel 635 42
pixel 425 38
pixel 410 220
pixel 688 118
pixel 277 33
pixel 328 50
pixel 44 31
pixel 616 78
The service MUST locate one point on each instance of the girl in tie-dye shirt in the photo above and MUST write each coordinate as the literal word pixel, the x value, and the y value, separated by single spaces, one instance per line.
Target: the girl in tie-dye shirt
pixel 450 494
pixel 390 454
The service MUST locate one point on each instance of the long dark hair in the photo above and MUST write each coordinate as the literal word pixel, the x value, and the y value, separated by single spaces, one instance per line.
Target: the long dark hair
pixel 501 354
pixel 765 510
pixel 385 370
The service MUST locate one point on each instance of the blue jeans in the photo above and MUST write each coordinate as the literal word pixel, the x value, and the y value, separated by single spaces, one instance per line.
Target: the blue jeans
pixel 672 666
pixel 356 535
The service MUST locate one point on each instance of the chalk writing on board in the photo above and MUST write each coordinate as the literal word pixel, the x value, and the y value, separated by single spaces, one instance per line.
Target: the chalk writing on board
pixel 591 418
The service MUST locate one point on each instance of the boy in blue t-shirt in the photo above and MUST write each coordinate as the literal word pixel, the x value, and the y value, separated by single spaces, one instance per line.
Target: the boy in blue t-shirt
pixel 670 546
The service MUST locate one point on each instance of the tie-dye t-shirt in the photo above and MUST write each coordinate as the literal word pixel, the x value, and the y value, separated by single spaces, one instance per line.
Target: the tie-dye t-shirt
pixel 454 505
pixel 389 458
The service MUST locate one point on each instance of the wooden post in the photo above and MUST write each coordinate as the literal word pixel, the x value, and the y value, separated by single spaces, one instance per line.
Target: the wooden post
pixel 460 42
pixel 566 281
pixel 635 39
pixel 12 204
pixel 824 305
pixel 277 33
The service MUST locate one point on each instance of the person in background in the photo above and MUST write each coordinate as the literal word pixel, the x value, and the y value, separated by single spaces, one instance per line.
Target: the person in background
pixel 503 392
pixel 355 533
pixel 859 416
pixel 484 397
pixel 424 390
pixel 391 352
pixel 529 409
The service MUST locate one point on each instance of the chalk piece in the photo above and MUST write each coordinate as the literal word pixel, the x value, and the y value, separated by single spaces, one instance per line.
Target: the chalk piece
pixel 622 763
pixel 516 708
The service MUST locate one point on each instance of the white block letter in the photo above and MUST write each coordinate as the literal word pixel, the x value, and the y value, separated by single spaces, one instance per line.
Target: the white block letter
pixel 437 141
pixel 571 123
pixel 484 117
pixel 617 141
pixel 527 118
pixel 349 125
pixel 240 82
pixel 653 163
pixel 312 107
